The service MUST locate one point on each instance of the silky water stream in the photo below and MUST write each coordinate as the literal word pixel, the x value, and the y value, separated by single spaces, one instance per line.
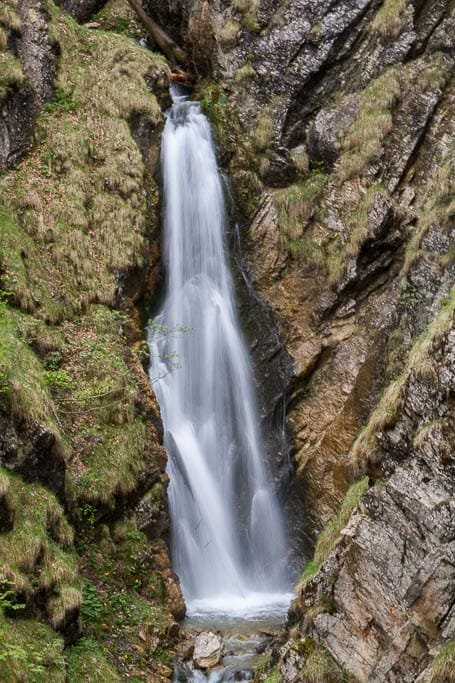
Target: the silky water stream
pixel 228 543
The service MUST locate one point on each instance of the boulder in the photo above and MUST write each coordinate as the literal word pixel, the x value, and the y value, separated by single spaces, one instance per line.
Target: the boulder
pixel 208 648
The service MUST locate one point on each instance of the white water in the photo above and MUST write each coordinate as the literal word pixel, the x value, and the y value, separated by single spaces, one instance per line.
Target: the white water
pixel 227 539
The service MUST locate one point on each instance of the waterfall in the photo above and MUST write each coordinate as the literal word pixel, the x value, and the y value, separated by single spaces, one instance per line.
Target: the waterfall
pixel 227 541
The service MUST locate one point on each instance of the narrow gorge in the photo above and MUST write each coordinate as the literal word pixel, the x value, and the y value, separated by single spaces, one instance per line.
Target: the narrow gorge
pixel 325 471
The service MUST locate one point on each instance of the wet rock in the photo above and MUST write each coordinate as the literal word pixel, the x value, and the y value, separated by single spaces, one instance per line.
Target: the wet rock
pixel 208 648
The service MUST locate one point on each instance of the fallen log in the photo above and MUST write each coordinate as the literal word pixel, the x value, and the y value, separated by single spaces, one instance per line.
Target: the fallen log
pixel 168 46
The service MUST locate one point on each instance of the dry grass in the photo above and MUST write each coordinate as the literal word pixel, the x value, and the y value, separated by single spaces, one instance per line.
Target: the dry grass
pixel 249 13
pixel 264 132
pixel 320 667
pixel 245 73
pixel 390 19
pixel 296 206
pixel 358 231
pixel 229 33
pixel 32 558
pixel 331 533
pixel 9 15
pixel 66 600
pixel 365 449
pixel 80 196
pixel 442 668
pixel 363 141
pixel 438 209
pixel 11 74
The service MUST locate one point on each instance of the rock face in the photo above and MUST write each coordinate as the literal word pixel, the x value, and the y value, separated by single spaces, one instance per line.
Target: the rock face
pixel 28 83
pixel 336 126
pixel 208 649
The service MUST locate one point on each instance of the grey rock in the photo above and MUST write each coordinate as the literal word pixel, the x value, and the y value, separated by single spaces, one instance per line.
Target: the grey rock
pixel 208 648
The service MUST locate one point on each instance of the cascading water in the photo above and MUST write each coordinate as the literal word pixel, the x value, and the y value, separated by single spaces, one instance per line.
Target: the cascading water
pixel 227 539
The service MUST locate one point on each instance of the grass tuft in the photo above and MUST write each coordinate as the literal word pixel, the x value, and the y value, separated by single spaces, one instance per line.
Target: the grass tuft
pixel 330 534
pixel 442 669
pixel 390 20
pixel 363 140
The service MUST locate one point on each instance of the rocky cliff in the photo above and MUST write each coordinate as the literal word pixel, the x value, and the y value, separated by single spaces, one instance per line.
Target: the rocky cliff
pixel 335 122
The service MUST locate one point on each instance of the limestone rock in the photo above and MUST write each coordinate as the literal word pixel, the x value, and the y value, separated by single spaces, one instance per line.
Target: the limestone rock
pixel 208 648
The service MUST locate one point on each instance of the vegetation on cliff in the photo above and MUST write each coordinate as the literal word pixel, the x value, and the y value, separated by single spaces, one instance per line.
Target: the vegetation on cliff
pixel 86 595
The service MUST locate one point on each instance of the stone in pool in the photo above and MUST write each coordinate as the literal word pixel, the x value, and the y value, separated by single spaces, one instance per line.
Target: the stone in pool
pixel 208 648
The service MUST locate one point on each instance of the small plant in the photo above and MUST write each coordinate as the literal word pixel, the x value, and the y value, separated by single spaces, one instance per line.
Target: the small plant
pixel 409 294
pixel 91 606
pixel 309 570
pixel 8 597
pixel 62 102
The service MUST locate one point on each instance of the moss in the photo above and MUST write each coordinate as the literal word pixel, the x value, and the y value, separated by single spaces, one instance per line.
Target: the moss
pixel 229 33
pixel 309 570
pixel 390 20
pixel 78 200
pixel 363 140
pixel 245 73
pixel 329 536
pixel 442 668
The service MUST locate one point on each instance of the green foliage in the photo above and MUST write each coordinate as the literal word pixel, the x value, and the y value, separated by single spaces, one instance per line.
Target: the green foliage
pixel 274 676
pixel 8 597
pixel 409 294
pixel 91 607
pixel 87 661
pixel 309 570
pixel 330 534
pixel 62 102
pixel 30 652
